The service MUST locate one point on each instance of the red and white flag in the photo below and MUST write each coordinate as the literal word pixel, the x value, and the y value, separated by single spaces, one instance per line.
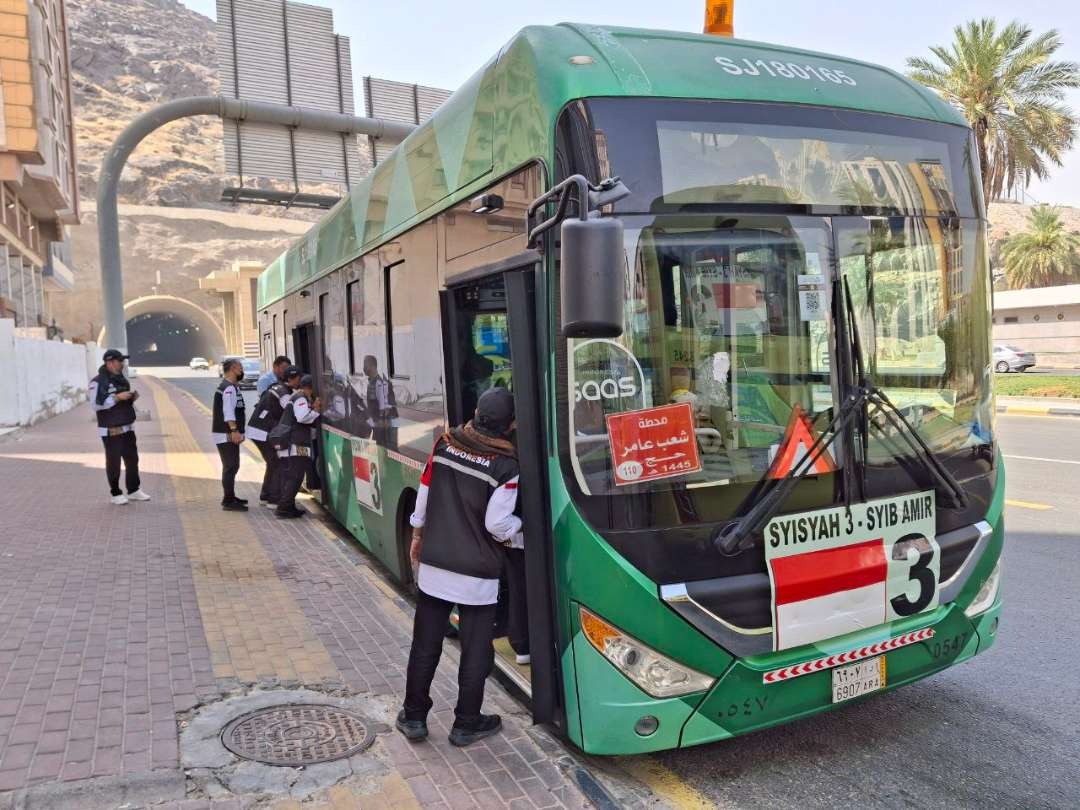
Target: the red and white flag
pixel 838 570
pixel 829 592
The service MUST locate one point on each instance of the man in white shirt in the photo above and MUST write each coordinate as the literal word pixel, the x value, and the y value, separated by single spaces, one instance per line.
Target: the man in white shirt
pixel 463 521
pixel 228 431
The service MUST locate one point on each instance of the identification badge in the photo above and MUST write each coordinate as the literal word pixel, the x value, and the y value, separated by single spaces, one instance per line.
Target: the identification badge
pixel 116 431
pixel 302 451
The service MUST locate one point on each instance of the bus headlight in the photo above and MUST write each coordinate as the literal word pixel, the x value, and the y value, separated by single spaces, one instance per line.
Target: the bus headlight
pixel 654 672
pixel 987 593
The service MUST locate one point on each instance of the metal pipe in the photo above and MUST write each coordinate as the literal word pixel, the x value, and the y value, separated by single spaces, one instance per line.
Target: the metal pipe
pixel 108 221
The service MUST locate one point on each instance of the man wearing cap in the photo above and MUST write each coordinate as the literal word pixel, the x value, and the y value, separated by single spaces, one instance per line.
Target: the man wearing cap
pixel 462 523
pixel 228 419
pixel 267 414
pixel 113 401
pixel 302 413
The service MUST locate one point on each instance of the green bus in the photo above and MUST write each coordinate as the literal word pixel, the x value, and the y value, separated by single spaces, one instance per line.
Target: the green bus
pixel 741 295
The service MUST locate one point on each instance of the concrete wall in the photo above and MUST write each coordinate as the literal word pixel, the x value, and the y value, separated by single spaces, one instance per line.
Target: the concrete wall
pixel 49 377
pixel 1052 332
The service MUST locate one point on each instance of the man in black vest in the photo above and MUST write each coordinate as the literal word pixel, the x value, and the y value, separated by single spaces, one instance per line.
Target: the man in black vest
pixel 463 521
pixel 228 431
pixel 295 460
pixel 267 414
pixel 113 401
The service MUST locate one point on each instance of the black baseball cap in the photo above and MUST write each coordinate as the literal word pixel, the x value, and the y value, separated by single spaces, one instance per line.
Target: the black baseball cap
pixel 113 354
pixel 292 371
pixel 307 381
pixel 495 411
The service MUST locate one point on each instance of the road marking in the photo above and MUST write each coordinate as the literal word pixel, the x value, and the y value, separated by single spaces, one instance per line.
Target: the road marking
pixel 1040 507
pixel 663 782
pixel 1040 458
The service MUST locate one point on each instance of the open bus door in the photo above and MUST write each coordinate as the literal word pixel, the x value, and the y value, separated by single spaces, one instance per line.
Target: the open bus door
pixel 494 335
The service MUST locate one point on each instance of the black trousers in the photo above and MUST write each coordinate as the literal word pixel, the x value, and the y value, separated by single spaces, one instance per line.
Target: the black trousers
pixel 477 656
pixel 230 464
pixel 291 473
pixel 270 483
pixel 117 449
pixel 518 624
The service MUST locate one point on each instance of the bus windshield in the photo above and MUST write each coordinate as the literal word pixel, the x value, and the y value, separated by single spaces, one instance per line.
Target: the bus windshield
pixel 735 234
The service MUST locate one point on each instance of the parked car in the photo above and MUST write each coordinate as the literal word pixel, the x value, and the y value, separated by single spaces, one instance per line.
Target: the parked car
pixel 199 363
pixel 1010 358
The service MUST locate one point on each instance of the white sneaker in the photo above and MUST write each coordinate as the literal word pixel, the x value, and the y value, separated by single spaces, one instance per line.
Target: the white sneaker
pixel 138 495
pixel 523 660
pixel 120 499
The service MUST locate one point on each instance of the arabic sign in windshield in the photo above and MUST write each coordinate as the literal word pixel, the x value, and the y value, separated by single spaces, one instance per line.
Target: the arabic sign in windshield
pixel 653 443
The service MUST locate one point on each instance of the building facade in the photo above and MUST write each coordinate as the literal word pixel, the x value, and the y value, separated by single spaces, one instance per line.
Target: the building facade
pixel 1044 320
pixel 38 190
pixel 236 287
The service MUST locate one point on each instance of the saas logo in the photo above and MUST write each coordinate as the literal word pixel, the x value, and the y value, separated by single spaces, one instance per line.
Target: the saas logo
pixel 604 371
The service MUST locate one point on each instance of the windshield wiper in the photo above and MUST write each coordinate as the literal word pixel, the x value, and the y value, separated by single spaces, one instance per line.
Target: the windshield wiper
pixel 740 534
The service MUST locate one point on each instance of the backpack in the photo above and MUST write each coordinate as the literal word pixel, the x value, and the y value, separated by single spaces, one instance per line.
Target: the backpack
pixel 280 436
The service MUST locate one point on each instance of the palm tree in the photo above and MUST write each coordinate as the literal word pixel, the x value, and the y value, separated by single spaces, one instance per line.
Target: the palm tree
pixel 1044 255
pixel 1011 93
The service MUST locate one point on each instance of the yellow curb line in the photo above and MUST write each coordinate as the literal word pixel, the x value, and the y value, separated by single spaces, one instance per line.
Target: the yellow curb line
pixel 663 782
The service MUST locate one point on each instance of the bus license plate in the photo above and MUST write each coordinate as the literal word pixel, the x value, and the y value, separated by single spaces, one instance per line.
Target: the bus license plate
pixel 858 679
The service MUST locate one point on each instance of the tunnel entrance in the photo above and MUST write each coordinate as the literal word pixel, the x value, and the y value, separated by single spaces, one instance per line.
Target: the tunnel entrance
pixel 166 339
pixel 164 330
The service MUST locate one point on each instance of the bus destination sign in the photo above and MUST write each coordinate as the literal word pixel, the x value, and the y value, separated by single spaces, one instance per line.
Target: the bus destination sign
pixel 653 443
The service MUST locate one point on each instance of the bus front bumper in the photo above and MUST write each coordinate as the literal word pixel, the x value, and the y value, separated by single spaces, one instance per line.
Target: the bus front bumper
pixel 741 701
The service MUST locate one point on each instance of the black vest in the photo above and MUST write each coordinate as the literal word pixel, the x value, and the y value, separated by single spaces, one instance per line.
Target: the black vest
pixel 219 423
pixel 268 412
pixel 301 434
pixel 459 487
pixel 120 414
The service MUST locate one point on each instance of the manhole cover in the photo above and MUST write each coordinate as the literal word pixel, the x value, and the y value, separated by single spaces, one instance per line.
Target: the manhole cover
pixel 297 735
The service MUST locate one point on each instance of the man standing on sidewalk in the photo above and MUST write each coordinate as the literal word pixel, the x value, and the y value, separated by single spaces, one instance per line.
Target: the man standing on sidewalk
pixel 463 519
pixel 301 415
pixel 228 431
pixel 267 414
pixel 113 401
pixel 275 374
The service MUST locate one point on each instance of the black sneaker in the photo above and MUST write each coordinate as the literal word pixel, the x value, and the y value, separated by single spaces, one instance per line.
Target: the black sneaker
pixel 234 506
pixel 487 725
pixel 240 500
pixel 412 729
pixel 289 515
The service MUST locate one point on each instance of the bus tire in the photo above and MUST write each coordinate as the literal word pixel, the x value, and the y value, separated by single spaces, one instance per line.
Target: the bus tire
pixel 404 534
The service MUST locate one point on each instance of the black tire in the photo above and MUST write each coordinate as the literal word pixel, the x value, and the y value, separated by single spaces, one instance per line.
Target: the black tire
pixel 405 508
pixel 1002 367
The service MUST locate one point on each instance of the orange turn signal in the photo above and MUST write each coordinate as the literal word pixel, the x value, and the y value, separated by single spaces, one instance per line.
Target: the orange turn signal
pixel 596 630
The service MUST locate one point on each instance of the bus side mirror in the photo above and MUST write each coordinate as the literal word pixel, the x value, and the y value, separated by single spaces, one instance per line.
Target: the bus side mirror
pixel 593 277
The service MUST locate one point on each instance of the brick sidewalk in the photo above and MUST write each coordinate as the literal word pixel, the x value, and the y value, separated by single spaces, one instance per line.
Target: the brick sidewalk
pixel 117 622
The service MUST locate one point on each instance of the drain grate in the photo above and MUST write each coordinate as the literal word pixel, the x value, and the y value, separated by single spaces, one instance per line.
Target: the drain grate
pixel 297 734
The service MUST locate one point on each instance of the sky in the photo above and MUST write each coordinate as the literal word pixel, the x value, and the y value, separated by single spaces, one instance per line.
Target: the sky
pixel 440 43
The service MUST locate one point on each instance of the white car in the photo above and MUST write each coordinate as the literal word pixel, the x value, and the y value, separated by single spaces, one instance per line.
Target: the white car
pixel 1010 358
pixel 199 363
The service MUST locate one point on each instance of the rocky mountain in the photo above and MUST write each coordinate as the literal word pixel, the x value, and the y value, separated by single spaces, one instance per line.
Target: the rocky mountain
pixel 128 56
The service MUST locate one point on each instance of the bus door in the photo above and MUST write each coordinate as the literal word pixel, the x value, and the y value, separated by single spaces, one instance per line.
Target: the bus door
pixel 491 337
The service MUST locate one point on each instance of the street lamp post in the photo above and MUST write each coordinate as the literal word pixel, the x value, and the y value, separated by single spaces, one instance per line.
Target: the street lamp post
pixel 112 283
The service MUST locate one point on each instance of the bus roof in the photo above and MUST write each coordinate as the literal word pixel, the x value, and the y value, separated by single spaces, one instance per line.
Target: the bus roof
pixel 504 116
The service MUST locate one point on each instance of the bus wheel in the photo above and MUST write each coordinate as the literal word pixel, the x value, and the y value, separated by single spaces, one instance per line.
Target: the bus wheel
pixel 406 503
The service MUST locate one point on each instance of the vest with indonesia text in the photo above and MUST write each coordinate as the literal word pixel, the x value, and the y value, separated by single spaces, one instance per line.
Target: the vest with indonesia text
pixel 460 484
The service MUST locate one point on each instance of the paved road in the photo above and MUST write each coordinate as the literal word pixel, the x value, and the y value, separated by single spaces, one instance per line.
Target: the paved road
pixel 199 383
pixel 998 731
